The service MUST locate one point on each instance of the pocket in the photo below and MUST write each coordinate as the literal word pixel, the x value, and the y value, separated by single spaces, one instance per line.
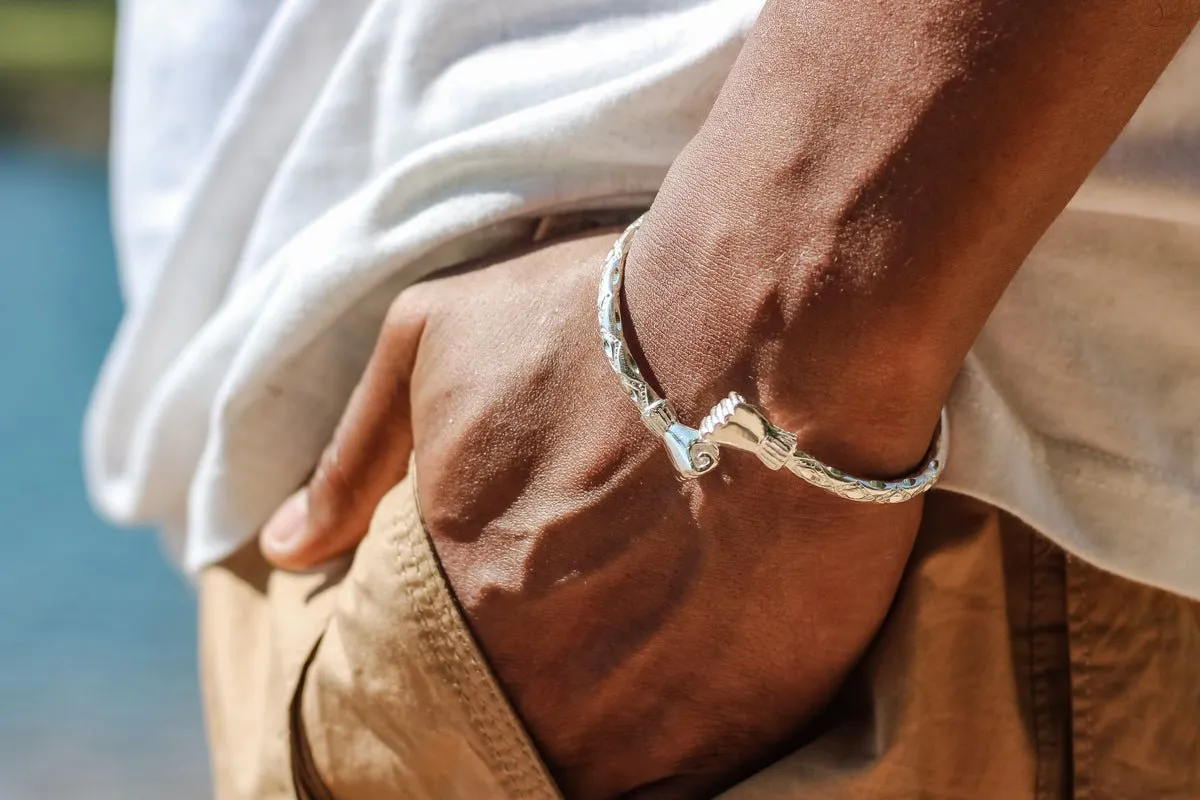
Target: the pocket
pixel 258 627
pixel 397 699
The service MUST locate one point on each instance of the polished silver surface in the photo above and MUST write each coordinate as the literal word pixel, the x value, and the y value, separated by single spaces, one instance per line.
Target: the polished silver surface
pixel 735 423
pixel 689 452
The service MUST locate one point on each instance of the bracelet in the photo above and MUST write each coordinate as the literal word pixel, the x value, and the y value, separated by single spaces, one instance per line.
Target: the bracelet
pixel 735 423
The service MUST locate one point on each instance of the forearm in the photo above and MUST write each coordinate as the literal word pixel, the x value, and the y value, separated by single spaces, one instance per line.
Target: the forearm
pixel 869 181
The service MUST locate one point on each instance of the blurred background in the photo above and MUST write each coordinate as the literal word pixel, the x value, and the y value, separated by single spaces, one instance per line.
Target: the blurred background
pixel 98 695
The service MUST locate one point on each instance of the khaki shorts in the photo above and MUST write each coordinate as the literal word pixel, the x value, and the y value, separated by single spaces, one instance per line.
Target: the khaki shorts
pixel 1005 669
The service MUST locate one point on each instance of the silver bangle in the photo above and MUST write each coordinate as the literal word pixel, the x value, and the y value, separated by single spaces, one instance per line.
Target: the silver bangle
pixel 735 423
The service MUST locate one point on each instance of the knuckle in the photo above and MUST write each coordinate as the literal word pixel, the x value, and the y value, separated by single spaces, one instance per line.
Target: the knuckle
pixel 330 491
pixel 407 309
pixel 403 322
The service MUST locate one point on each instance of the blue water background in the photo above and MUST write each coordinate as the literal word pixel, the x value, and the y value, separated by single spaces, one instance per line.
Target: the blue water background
pixel 98 694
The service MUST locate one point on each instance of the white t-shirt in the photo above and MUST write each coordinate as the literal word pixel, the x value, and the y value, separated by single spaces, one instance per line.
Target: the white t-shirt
pixel 283 168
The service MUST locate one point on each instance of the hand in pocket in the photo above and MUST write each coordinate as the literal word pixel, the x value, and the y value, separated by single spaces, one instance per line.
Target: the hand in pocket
pixel 648 630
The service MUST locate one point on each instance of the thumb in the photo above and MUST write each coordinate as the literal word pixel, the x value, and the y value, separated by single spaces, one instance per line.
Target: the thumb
pixel 368 455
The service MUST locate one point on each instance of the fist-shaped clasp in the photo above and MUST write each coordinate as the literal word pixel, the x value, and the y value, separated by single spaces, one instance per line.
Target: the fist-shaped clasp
pixel 736 423
pixel 690 453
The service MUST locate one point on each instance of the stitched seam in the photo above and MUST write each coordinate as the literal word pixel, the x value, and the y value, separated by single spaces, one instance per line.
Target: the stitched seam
pixel 1046 574
pixel 511 747
pixel 535 779
pixel 517 751
pixel 423 593
pixel 423 608
pixel 481 717
pixel 1082 724
pixel 515 748
pixel 1034 679
pixel 1085 685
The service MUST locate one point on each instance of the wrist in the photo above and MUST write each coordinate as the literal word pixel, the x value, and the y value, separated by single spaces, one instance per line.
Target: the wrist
pixel 828 357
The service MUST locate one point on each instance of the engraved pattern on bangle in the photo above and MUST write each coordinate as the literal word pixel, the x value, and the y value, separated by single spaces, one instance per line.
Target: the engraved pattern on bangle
pixel 690 453
pixel 735 423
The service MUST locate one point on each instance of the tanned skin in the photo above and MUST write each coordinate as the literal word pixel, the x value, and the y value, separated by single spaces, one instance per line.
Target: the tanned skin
pixel 829 245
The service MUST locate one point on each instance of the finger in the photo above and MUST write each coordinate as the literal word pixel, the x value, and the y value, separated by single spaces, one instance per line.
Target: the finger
pixel 367 456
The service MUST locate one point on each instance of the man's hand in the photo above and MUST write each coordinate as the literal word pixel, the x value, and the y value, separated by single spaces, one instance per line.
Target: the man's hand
pixel 648 630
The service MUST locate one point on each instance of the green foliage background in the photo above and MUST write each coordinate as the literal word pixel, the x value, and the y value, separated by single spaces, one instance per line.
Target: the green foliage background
pixel 56 37
pixel 55 69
